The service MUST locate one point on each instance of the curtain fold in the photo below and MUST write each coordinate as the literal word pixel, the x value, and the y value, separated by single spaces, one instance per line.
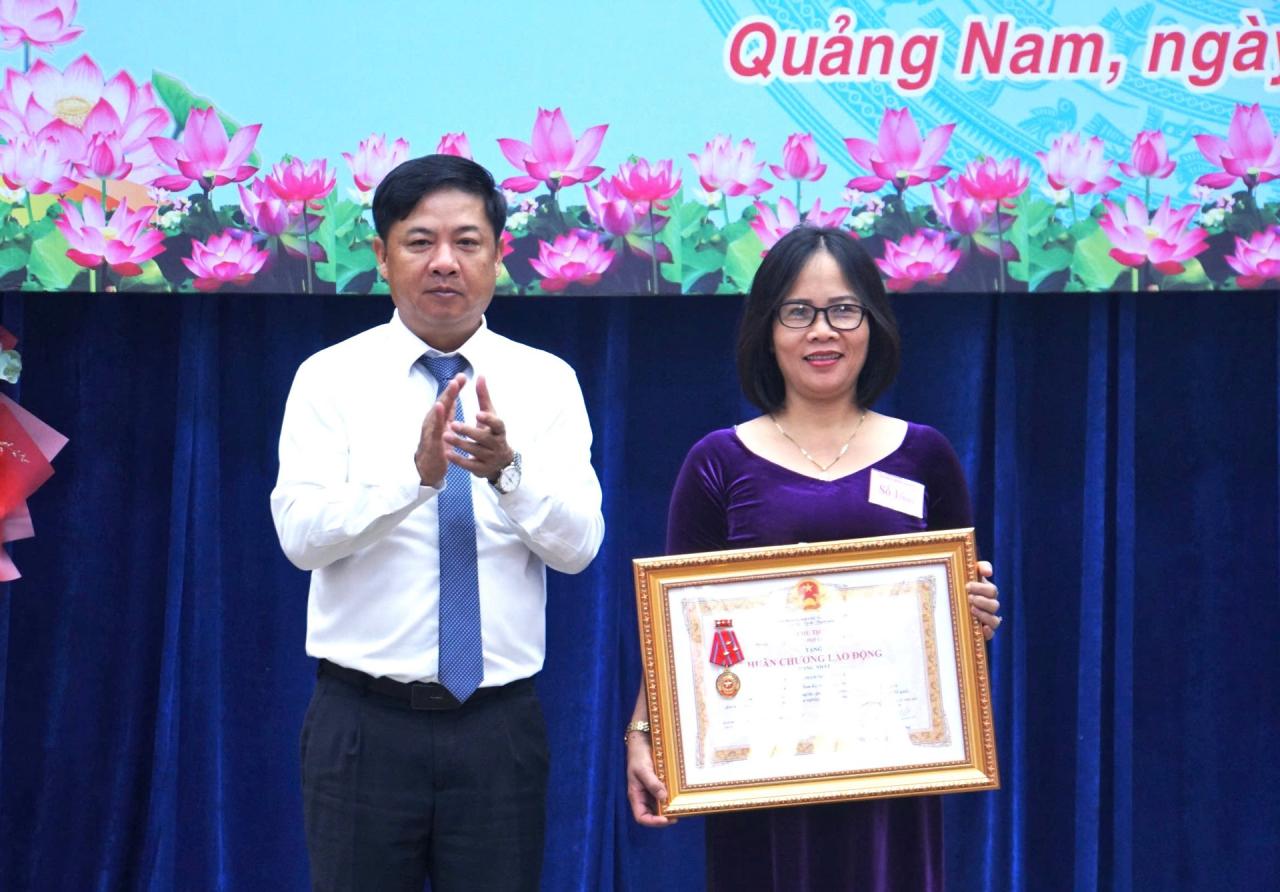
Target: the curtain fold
pixel 1119 875
pixel 1122 452
pixel 159 846
pixel 1095 555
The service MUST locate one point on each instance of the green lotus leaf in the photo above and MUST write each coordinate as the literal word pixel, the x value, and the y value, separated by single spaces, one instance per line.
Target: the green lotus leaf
pixel 697 263
pixel 347 255
pixel 742 259
pixel 150 279
pixel 1039 255
pixel 1092 263
pixel 737 230
pixel 1192 277
pixel 690 219
pixel 50 265
pixel 13 257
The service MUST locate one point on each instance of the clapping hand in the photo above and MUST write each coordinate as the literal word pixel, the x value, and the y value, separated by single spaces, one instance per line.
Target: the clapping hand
pixel 430 456
pixel 484 443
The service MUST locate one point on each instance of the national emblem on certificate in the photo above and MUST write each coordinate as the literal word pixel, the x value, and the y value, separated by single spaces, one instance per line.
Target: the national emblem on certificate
pixel 841 670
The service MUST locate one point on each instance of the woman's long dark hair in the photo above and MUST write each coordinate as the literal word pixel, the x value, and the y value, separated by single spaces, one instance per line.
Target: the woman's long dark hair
pixel 758 370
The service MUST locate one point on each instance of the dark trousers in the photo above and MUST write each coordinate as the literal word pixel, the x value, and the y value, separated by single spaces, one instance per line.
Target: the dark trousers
pixel 393 796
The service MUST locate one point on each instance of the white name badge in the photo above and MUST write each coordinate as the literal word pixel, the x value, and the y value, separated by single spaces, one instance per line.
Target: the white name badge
pixel 897 493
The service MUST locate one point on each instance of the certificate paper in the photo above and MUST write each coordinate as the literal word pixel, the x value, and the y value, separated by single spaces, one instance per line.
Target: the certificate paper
pixel 812 673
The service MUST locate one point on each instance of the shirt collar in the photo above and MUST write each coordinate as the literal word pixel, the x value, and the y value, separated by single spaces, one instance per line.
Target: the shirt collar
pixel 405 348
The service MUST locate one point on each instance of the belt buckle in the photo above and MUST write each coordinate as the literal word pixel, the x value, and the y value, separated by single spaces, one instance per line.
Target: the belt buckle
pixel 431 695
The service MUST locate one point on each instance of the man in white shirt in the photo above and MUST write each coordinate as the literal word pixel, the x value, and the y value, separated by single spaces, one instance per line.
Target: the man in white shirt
pixel 430 470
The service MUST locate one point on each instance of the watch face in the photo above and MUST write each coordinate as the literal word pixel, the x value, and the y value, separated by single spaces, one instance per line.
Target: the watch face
pixel 509 478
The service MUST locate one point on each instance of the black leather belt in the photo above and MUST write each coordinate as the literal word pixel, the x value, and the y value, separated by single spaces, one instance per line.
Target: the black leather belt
pixel 429 695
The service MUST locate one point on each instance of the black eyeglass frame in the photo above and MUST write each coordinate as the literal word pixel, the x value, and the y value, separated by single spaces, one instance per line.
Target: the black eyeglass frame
pixel 813 315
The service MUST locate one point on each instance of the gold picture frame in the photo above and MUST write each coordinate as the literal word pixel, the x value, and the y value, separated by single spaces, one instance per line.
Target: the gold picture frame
pixel 815 673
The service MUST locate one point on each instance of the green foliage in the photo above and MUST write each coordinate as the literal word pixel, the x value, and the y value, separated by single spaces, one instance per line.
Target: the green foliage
pixel 13 258
pixel 697 247
pixel 742 259
pixel 345 237
pixel 10 228
pixel 50 265
pixel 1035 233
pixel 694 265
pixel 1092 264
pixel 150 279
pixel 1191 278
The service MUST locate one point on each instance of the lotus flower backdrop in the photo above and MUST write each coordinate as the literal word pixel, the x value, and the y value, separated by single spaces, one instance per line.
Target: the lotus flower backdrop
pixel 129 178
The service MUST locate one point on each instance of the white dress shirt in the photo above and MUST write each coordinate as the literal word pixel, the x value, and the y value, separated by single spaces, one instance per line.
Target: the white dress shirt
pixel 349 505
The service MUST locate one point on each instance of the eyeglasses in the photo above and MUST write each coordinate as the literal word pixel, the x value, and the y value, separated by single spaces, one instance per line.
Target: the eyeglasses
pixel 844 317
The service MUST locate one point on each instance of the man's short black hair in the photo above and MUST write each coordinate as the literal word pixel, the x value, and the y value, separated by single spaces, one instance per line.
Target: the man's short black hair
pixel 401 190
pixel 758 366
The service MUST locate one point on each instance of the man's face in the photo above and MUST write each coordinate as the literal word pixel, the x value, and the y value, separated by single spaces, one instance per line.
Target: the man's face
pixel 441 262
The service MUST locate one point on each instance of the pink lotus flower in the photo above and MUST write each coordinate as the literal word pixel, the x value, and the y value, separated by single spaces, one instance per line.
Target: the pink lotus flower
pixel 646 185
pixel 1163 238
pixel 42 23
pixel 104 158
pixel 124 242
pixel 1250 152
pixel 995 181
pixel 454 144
pixel 508 244
pixel 205 156
pixel 957 209
pixel 373 160
pixel 268 213
pixel 1257 261
pixel 38 164
pixel 555 157
pixel 920 257
pixel 799 159
pixel 733 170
pixel 900 156
pixel 1148 157
pixel 116 114
pixel 1080 169
pixel 575 257
pixel 302 182
pixel 276 217
pixel 771 227
pixel 611 210
pixel 831 219
pixel 226 259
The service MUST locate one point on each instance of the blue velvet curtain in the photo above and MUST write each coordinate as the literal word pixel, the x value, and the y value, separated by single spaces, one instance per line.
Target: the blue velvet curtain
pixel 1122 453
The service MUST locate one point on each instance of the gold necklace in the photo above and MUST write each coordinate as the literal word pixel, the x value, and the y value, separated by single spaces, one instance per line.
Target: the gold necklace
pixel 805 452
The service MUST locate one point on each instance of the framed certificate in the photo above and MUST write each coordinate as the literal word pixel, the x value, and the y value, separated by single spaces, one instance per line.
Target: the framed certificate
pixel 815 673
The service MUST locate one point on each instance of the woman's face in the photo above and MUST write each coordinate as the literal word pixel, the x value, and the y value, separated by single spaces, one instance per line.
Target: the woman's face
pixel 821 362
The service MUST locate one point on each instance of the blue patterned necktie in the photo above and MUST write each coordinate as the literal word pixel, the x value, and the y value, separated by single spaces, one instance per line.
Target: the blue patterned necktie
pixel 461 652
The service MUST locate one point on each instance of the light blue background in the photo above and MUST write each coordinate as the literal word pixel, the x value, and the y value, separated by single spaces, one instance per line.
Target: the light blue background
pixel 321 76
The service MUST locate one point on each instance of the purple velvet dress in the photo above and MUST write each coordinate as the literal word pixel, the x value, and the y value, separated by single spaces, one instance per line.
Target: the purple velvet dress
pixel 728 497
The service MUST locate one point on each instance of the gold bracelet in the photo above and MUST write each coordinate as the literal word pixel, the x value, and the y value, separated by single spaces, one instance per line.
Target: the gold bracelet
pixel 642 727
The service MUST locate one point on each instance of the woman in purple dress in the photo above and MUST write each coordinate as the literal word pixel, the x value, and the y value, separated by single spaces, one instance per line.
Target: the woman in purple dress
pixel 817 345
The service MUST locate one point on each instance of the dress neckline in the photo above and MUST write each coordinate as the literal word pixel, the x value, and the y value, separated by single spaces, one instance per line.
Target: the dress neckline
pixel 906 431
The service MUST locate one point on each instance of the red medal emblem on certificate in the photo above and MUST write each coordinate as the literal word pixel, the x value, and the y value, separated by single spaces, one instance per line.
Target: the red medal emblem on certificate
pixel 725 651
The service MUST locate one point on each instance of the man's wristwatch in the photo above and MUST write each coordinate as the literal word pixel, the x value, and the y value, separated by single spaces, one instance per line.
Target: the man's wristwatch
pixel 508 477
